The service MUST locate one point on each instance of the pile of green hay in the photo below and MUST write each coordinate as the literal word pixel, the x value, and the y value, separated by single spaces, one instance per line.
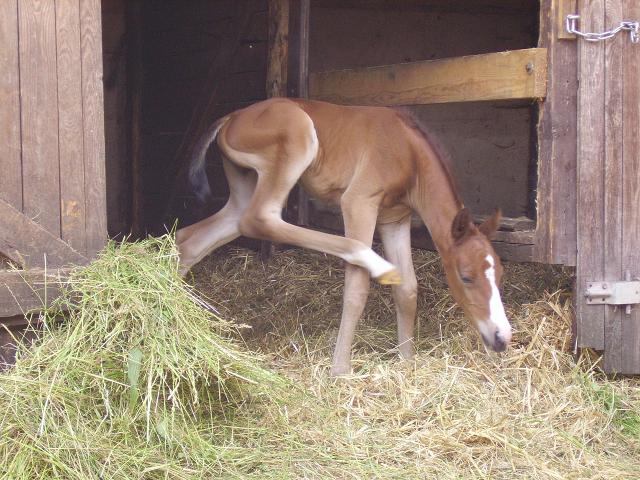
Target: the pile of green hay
pixel 133 376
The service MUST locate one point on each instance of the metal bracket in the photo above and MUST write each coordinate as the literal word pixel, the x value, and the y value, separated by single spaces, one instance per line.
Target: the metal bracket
pixel 614 293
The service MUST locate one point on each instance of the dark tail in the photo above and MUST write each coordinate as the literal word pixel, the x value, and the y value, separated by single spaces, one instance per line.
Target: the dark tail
pixel 197 173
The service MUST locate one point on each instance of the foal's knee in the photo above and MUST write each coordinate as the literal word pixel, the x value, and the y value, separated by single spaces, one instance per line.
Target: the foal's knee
pixel 407 291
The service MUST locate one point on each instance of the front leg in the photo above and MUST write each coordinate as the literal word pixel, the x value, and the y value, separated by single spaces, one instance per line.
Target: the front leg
pixel 396 238
pixel 360 213
pixel 356 290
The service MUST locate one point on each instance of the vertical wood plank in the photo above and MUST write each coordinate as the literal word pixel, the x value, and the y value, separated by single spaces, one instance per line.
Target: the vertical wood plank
pixel 613 169
pixel 10 142
pixel 93 125
pixel 72 194
pixel 277 63
pixel 557 131
pixel 298 82
pixel 134 100
pixel 590 198
pixel 630 354
pixel 39 108
pixel 564 8
pixel 278 48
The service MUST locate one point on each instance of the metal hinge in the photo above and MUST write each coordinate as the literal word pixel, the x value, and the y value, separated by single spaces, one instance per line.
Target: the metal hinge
pixel 614 293
pixel 632 27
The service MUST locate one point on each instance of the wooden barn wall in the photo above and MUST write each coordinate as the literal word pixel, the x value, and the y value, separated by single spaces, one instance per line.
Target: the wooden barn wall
pixel 180 40
pixel 52 190
pixel 490 142
pixel 51 129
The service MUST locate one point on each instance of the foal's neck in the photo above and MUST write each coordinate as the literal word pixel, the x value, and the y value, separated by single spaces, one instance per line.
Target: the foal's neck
pixel 435 199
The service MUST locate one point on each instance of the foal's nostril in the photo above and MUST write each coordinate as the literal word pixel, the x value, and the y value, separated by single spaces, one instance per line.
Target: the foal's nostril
pixel 499 345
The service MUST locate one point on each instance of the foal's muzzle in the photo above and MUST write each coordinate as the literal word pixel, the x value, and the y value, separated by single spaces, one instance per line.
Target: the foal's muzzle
pixel 497 343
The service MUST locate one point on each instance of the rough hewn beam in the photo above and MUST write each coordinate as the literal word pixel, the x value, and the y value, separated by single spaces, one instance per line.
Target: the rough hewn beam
pixel 25 290
pixel 29 244
pixel 515 74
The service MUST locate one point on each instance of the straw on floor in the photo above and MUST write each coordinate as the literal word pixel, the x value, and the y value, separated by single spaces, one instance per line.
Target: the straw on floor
pixel 457 411
pixel 142 380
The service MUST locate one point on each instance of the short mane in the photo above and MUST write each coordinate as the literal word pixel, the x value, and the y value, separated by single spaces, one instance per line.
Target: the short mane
pixel 443 156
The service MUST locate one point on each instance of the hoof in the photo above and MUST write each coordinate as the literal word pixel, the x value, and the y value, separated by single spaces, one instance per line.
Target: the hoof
pixel 407 353
pixel 392 277
pixel 340 370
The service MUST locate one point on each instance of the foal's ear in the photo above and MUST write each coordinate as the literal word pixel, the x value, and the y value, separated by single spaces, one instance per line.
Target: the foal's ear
pixel 491 224
pixel 462 225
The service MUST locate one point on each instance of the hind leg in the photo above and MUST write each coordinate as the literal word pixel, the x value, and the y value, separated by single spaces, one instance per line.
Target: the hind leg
pixel 263 219
pixel 278 140
pixel 198 240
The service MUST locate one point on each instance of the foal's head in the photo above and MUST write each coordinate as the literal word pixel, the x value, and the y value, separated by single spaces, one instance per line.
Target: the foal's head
pixel 474 272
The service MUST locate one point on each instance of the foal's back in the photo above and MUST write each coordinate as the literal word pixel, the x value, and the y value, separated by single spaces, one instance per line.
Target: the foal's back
pixel 360 148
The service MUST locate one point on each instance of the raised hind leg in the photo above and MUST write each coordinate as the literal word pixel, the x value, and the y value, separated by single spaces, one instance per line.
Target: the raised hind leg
pixel 263 218
pixel 396 238
pixel 198 240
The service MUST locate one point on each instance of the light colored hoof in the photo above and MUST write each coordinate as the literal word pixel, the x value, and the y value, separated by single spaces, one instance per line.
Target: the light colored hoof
pixel 392 277
pixel 407 356
pixel 340 370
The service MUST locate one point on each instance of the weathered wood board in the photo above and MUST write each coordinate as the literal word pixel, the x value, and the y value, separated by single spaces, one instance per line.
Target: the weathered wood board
pixel 514 74
pixel 608 213
pixel 72 188
pixel 39 112
pixel 10 135
pixel 590 199
pixel 24 291
pixel 52 195
pixel 630 208
pixel 555 185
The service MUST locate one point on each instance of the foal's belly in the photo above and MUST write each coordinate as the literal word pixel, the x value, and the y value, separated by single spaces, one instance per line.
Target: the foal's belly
pixel 331 194
pixel 325 187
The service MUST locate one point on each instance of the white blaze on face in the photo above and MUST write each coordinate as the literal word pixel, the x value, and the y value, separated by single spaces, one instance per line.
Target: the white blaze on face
pixel 497 317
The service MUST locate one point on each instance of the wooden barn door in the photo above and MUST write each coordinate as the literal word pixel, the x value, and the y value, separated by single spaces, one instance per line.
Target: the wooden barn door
pixel 608 209
pixel 52 181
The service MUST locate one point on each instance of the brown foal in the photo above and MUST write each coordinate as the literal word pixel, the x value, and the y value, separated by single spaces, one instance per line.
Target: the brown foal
pixel 379 166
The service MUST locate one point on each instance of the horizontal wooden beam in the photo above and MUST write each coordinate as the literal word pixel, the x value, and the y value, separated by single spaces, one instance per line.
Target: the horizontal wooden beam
pixel 482 7
pixel 514 74
pixel 27 243
pixel 22 291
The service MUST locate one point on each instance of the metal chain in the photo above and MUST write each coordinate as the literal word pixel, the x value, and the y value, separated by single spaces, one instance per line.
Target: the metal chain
pixel 632 27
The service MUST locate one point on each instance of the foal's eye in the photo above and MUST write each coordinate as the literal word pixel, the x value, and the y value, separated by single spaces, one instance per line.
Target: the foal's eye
pixel 467 280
